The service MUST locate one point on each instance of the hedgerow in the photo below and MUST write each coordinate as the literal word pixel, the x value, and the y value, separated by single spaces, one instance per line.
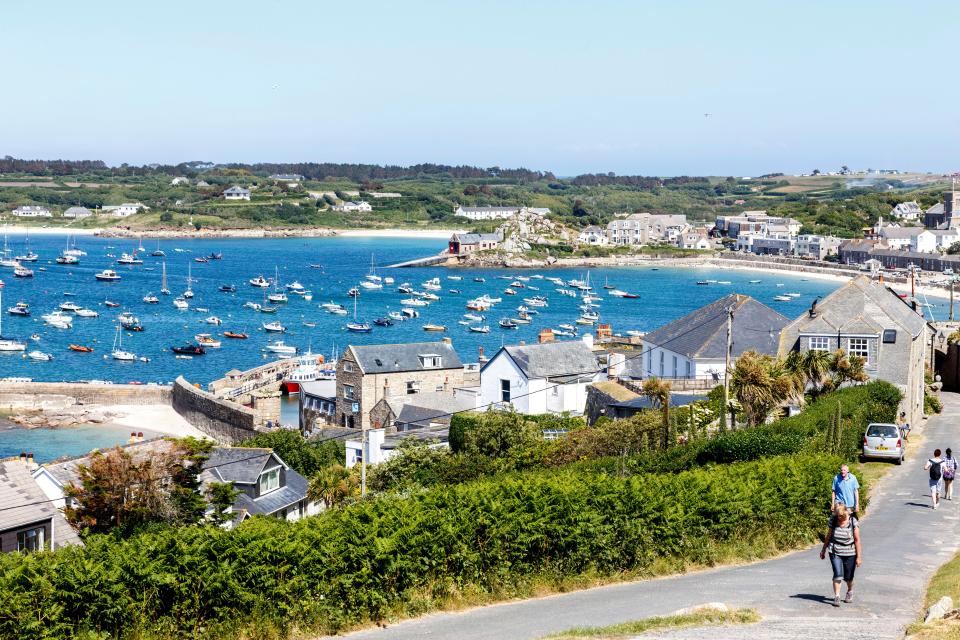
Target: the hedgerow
pixel 375 558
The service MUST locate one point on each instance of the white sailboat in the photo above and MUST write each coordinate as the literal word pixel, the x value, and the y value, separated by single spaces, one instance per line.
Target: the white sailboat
pixel 117 352
pixel 189 292
pixel 163 280
pixel 8 344
pixel 6 260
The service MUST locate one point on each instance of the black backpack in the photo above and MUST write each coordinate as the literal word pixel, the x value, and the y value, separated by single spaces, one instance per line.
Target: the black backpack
pixel 935 472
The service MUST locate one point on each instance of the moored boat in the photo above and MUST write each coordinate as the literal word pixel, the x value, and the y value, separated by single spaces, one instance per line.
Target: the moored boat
pixel 235 335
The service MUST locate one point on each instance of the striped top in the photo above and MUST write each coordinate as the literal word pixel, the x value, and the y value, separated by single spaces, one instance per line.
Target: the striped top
pixel 841 540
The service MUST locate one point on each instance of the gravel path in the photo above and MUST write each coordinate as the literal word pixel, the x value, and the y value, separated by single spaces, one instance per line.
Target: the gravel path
pixel 904 542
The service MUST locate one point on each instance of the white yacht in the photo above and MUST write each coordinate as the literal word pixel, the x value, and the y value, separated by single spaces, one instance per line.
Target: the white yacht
pixel 58 319
pixel 107 275
pixel 181 304
pixel 279 347
pixel 40 356
pixel 86 313
pixel 118 353
pixel 273 327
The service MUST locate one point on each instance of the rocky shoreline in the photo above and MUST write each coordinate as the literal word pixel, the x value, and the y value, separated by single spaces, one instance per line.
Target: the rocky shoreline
pixel 67 417
pixel 162 232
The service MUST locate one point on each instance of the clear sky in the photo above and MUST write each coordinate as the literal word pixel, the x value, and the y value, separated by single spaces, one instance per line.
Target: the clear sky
pixel 570 87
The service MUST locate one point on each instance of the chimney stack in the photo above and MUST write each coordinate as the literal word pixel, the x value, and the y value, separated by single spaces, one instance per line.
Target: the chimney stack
pixel 546 335
pixel 447 340
pixel 480 357
pixel 30 463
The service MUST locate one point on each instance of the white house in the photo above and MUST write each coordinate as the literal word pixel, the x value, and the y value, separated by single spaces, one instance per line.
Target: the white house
pixel 540 378
pixel 594 236
pixel 125 209
pixel 946 237
pixel 361 205
pixel 179 180
pixel 287 177
pixel 909 238
pixel 497 213
pixel 77 212
pixel 236 193
pixel 907 211
pixel 32 211
pixel 695 345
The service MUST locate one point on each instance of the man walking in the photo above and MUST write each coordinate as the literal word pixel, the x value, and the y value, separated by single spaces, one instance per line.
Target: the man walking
pixel 846 491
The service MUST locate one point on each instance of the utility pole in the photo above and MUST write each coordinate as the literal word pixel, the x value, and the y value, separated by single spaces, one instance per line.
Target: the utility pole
pixel 726 368
pixel 363 461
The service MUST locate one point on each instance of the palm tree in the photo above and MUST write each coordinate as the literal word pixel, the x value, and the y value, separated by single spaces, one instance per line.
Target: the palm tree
pixel 844 368
pixel 332 485
pixel 760 383
pixel 658 392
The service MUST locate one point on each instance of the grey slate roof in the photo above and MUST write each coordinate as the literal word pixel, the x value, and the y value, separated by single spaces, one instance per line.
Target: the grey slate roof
pixel 429 434
pixel 902 232
pixel 320 388
pixel 23 503
pixel 553 360
pixel 394 358
pixel 643 402
pixel 860 306
pixel 237 464
pixel 237 190
pixel 936 209
pixel 293 491
pixel 703 333
pixel 489 209
pixel 421 409
pixel 476 238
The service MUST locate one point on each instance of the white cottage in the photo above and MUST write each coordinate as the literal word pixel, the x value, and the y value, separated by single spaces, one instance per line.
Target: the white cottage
pixel 540 378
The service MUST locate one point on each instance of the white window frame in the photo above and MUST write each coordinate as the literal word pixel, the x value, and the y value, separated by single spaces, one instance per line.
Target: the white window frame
pixel 823 344
pixel 269 481
pixel 505 393
pixel 30 539
pixel 348 392
pixel 347 366
pixel 863 352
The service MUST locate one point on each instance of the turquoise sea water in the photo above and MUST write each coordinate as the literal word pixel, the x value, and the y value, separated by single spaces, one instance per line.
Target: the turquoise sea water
pixel 665 294
pixel 49 444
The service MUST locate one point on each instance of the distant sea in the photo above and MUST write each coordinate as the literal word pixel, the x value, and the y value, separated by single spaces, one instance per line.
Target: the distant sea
pixel 665 294
pixel 48 444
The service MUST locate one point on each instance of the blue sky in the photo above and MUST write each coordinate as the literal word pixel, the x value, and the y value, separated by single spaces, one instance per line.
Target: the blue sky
pixel 570 87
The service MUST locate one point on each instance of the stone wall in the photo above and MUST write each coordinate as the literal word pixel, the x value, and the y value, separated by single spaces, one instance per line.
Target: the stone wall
pixel 18 396
pixel 222 420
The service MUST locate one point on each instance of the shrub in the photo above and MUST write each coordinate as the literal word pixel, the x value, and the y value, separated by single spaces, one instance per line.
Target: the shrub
pixel 304 456
pixel 932 404
pixel 376 557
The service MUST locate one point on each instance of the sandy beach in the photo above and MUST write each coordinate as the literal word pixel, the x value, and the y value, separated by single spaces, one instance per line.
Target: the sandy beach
pixel 153 417
pixel 398 233
pixel 48 231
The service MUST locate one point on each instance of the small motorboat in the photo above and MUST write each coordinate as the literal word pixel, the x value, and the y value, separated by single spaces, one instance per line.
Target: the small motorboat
pixel 310 324
pixel 483 329
pixel 189 350
pixel 107 275
pixel 279 347
pixel 755 282
pixel 434 327
pixel 69 306
pixel 39 356
pixel 58 319
pixel 510 292
pixel 410 313
pixel 383 322
pixel 213 320
pixel 454 277
pixel 277 298
pixel 414 302
pixel 473 317
pixel 19 309
pixel 359 327
pixel 67 260
pixel 782 298
pixel 263 309
pixel 127 258
pixel 405 288
pixel 201 260
pixel 260 282
pixel 397 316
pixel 35 337
pixel 353 292
pixel 507 323
pixel 181 304
pixel 273 327
pixel 316 266
pixel 79 348
pixel 215 256
pixel 87 313
pixel 111 304
pixel 567 327
pixel 479 280
pixel 455 291
pixel 207 341
pixel 151 299
pixel 29 256
pixel 702 282
pixel 295 287
pixel 23 272
pixel 228 288
pixel 252 305
pixel 235 335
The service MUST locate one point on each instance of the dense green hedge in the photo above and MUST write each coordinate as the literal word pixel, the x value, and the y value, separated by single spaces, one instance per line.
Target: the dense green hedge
pixel 269 578
pixel 859 406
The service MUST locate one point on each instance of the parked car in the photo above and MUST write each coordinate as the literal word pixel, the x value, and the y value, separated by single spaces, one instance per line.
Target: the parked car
pixel 883 440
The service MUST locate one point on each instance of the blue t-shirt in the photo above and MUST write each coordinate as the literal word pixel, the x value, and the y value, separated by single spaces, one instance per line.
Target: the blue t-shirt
pixel 846 489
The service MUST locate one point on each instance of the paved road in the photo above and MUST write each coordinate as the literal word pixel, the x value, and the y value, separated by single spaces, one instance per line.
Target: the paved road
pixel 904 542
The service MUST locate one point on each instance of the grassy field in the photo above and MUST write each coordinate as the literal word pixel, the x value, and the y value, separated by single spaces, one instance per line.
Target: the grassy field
pixel 945 582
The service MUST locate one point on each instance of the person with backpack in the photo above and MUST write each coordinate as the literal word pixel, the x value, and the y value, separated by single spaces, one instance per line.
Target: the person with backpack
pixel 843 544
pixel 935 467
pixel 904 425
pixel 949 473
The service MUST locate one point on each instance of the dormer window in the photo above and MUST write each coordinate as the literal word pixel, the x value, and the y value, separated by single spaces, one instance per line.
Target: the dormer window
pixel 270 480
pixel 430 361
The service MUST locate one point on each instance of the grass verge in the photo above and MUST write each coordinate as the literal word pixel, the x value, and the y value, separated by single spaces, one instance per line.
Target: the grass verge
pixel 704 618
pixel 945 582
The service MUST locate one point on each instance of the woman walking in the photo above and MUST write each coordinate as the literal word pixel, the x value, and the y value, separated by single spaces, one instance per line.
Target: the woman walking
pixel 843 545
pixel 949 473
pixel 935 467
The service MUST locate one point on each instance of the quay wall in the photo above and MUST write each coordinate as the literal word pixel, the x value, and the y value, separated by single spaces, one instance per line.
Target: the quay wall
pixel 18 396
pixel 222 420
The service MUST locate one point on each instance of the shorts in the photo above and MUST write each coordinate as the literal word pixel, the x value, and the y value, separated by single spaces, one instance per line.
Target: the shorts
pixel 843 567
pixel 934 484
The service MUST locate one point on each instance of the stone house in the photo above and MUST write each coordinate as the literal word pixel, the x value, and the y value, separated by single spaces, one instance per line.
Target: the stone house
pixel 463 243
pixel 366 374
pixel 421 410
pixel 867 319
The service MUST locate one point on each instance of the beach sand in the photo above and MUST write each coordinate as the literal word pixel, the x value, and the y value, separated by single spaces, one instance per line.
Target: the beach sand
pixel 398 233
pixel 157 418
pixel 47 231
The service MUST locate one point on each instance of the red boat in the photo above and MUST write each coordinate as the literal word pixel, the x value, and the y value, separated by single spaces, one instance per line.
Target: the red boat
pixel 81 348
pixel 629 295
pixel 235 336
